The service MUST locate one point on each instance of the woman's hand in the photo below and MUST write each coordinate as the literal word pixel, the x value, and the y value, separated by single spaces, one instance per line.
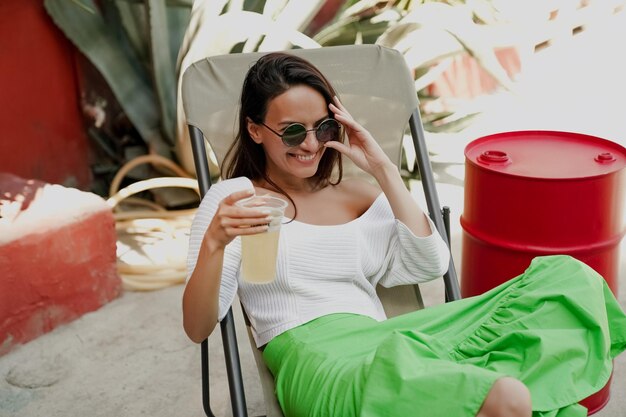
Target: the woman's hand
pixel 361 148
pixel 231 221
pixel 201 295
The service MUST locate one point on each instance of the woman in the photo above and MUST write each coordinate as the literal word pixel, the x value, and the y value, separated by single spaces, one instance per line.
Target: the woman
pixel 549 334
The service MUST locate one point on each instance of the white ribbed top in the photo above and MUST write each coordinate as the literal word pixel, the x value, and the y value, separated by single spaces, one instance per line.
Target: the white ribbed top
pixel 322 269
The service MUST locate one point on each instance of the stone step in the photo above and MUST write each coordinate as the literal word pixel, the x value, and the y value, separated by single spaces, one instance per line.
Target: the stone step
pixel 57 257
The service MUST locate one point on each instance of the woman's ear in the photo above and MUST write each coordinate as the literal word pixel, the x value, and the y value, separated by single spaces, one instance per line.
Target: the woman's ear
pixel 253 131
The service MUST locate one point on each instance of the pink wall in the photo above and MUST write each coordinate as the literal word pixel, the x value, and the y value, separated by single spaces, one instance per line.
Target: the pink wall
pixel 41 128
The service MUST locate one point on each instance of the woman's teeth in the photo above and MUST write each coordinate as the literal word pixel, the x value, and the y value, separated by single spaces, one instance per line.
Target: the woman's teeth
pixel 304 157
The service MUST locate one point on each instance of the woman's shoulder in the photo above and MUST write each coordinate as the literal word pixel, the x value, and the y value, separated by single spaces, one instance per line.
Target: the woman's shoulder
pixel 360 193
pixel 359 188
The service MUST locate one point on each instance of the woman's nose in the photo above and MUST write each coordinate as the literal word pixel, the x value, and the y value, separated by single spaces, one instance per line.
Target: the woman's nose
pixel 310 141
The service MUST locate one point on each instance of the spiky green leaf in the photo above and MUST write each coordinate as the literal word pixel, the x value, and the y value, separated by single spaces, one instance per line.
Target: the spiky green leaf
pixel 88 32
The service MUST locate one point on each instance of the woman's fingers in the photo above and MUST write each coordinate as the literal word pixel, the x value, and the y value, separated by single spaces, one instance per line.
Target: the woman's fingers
pixel 341 114
pixel 361 147
pixel 353 128
pixel 244 231
pixel 339 104
pixel 245 221
pixel 229 207
pixel 238 195
pixel 339 110
pixel 338 146
pixel 231 220
pixel 246 212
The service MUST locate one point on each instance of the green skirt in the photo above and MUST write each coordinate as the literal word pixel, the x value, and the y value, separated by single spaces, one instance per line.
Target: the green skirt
pixel 556 327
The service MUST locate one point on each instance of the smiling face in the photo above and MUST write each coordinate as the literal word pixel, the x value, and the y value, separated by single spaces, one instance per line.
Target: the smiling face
pixel 299 104
pixel 279 89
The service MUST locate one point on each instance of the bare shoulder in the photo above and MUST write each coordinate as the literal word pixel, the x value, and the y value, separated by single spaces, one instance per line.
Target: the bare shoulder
pixel 359 193
pixel 359 187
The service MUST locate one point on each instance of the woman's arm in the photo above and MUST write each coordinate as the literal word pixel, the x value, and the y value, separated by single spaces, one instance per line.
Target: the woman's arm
pixel 420 253
pixel 402 203
pixel 201 295
pixel 365 152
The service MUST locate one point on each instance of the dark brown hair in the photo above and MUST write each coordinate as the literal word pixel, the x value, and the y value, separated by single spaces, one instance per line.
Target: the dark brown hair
pixel 270 76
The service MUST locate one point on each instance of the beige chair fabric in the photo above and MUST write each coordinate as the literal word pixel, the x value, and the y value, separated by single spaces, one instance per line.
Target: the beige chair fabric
pixel 372 81
pixel 368 79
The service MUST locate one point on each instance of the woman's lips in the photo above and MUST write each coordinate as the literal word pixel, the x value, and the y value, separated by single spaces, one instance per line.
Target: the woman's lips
pixel 304 158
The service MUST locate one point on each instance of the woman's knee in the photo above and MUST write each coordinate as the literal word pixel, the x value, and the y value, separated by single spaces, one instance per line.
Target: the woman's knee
pixel 508 397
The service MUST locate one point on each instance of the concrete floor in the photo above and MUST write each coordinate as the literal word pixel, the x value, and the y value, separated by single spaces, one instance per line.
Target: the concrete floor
pixel 131 357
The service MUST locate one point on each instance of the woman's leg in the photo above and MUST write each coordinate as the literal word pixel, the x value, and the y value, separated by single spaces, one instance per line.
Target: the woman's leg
pixel 508 397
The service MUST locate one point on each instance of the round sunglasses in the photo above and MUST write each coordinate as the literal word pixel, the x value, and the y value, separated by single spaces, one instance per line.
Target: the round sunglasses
pixel 295 133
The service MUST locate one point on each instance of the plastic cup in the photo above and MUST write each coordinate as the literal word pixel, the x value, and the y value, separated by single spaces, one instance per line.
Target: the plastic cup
pixel 259 251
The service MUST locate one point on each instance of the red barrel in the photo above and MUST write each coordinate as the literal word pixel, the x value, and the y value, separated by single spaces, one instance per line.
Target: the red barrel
pixel 532 193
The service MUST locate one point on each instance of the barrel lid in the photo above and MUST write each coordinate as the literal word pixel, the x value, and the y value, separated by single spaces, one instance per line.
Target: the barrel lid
pixel 546 154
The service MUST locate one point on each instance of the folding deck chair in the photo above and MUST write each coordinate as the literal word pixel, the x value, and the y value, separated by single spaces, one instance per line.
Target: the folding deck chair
pixel 377 88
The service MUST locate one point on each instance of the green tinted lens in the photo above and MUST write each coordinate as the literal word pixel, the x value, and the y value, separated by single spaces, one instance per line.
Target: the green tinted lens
pixel 328 130
pixel 294 134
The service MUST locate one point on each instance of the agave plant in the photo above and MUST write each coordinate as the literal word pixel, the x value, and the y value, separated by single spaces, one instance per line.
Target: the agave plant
pixel 134 45
pixel 222 27
pixel 428 33
pixel 142 47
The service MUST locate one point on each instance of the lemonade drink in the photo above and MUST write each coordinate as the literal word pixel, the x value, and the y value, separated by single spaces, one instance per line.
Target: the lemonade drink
pixel 259 251
pixel 258 256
